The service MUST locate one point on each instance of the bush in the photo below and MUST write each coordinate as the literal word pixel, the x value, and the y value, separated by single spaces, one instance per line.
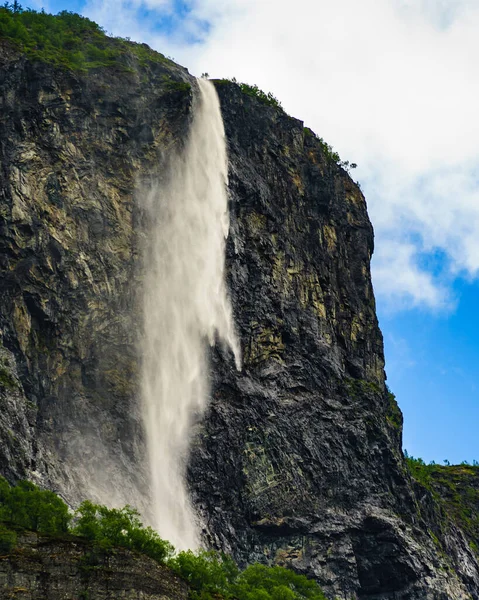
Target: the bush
pixel 207 572
pixel 109 527
pixel 329 152
pixel 26 505
pixel 259 582
pixel 8 540
pixel 255 92
pixel 211 575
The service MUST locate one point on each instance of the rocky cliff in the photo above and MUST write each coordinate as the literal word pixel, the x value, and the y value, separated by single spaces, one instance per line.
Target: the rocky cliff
pixel 298 460
pixel 45 567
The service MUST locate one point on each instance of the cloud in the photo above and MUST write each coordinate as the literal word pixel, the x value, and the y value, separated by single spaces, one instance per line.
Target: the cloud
pixel 391 84
pixel 402 282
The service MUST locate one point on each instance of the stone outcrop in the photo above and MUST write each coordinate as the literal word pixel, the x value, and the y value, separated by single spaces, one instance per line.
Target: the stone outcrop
pixel 47 568
pixel 299 459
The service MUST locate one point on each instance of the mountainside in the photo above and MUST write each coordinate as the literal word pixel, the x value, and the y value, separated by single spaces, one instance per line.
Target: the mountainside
pixel 299 459
pixel 44 567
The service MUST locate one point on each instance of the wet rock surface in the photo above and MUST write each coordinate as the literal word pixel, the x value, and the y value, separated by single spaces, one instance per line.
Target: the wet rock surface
pixel 298 460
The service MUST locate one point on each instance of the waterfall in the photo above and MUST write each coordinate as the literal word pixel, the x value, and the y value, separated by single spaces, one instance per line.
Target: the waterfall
pixel 186 307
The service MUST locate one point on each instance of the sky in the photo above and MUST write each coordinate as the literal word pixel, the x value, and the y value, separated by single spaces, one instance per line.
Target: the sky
pixel 392 85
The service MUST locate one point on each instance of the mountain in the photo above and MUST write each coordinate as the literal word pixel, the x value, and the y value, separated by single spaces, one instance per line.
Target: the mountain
pixel 298 461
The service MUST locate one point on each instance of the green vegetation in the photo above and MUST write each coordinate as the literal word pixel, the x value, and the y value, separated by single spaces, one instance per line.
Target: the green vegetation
pixel 210 575
pixel 253 91
pixel 207 572
pixel 176 86
pixel 258 582
pixel 8 539
pixel 325 147
pixel 68 40
pixel 455 488
pixel 28 507
pixel 267 98
pixel 393 414
pixel 112 527
pixel 360 387
pixel 6 379
pixel 328 151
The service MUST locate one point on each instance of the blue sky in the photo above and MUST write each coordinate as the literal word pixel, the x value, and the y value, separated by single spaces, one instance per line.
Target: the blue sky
pixel 431 361
pixel 392 85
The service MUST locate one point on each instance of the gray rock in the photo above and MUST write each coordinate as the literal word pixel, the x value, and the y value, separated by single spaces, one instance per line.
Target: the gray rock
pixel 43 567
pixel 298 461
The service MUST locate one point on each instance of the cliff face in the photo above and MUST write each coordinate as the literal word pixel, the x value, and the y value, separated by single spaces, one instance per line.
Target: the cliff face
pixel 44 567
pixel 73 149
pixel 299 458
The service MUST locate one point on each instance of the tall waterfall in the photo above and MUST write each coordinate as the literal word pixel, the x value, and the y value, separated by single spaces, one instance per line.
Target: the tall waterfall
pixel 186 306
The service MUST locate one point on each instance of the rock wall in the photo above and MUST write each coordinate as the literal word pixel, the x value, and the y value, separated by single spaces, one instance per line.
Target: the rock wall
pixel 46 568
pixel 73 150
pixel 299 459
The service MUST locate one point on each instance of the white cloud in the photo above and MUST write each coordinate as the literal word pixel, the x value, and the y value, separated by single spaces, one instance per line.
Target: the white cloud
pixel 402 282
pixel 391 84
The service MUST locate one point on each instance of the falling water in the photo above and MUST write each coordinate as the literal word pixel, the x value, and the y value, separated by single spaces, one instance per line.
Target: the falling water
pixel 186 306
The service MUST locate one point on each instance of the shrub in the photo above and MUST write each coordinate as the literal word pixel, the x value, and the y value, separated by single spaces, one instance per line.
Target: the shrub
pixel 110 527
pixel 329 152
pixel 8 540
pixel 207 572
pixel 255 92
pixel 26 505
pixel 259 582
pixel 211 575
pixel 454 487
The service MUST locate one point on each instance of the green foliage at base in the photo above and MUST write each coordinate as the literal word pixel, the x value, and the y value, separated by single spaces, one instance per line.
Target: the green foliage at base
pixel 113 527
pixel 28 507
pixel 455 488
pixel 260 582
pixel 8 540
pixel 68 39
pixel 209 574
